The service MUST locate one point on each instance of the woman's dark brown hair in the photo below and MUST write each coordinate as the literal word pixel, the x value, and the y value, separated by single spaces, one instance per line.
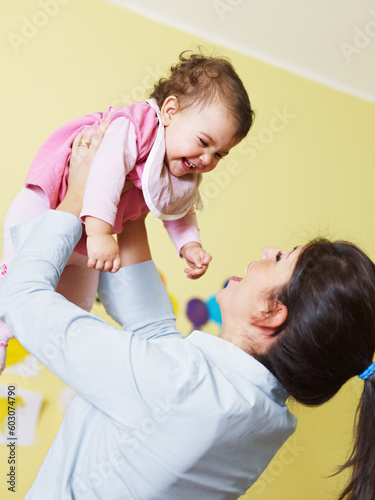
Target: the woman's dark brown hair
pixel 199 80
pixel 329 337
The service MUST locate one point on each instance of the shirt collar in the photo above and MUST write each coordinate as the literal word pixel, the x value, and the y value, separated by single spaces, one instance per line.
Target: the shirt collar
pixel 233 358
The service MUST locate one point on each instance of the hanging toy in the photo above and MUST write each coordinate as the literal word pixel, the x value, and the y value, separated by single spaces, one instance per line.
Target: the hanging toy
pixel 197 312
pixel 200 312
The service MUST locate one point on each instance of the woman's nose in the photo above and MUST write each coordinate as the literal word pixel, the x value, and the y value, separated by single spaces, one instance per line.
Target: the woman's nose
pixel 269 253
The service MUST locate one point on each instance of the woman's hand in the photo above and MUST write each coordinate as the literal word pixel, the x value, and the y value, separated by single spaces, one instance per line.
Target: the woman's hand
pixel 79 167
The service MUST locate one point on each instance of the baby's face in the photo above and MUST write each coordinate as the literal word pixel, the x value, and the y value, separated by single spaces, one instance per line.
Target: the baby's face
pixel 196 139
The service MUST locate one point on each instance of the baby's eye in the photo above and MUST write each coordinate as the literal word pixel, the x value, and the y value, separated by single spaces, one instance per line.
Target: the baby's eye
pixel 204 143
pixel 218 155
pixel 278 256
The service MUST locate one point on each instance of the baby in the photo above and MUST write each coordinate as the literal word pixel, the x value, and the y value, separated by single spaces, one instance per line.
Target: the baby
pixel 151 158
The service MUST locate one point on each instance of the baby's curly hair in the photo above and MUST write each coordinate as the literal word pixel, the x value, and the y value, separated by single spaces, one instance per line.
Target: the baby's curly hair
pixel 199 80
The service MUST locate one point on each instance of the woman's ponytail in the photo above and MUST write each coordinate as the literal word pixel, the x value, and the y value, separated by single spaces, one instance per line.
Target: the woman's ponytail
pixel 362 459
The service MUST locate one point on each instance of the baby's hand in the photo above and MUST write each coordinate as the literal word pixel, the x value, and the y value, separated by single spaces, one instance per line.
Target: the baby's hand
pixel 196 258
pixel 103 253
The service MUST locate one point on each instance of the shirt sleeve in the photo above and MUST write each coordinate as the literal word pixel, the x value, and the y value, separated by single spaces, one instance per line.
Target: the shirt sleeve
pixel 112 369
pixel 183 230
pixel 115 158
pixel 137 299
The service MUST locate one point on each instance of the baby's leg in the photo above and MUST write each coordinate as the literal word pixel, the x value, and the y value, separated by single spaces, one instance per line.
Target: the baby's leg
pixel 78 283
pixel 27 204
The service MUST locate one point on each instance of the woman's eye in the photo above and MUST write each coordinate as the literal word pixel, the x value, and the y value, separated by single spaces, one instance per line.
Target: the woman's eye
pixel 204 143
pixel 278 256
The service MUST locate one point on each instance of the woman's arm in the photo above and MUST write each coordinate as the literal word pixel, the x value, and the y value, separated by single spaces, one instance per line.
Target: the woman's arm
pixel 79 167
pixel 101 363
pixel 136 297
pixel 133 242
pixel 111 369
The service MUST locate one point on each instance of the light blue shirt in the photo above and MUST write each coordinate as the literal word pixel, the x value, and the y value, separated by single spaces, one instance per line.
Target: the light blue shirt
pixel 156 416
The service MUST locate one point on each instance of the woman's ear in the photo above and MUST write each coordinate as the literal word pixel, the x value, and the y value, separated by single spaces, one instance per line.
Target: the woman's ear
pixel 271 317
pixel 169 109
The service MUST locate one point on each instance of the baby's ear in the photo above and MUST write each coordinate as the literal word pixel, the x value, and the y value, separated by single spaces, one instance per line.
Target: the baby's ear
pixel 169 109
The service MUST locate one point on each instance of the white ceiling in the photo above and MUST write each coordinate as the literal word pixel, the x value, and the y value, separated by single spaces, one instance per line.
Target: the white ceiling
pixel 328 41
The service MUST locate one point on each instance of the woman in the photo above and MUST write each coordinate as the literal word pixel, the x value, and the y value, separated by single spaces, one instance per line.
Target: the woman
pixel 162 417
pixel 327 338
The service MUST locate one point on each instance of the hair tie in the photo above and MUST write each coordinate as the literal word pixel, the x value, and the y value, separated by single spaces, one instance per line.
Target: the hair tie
pixel 368 372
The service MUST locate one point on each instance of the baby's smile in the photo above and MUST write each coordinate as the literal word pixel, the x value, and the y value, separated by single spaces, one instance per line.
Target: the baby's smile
pixel 188 164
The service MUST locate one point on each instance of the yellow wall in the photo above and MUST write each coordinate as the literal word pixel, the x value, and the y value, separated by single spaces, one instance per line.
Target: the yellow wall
pixel 288 180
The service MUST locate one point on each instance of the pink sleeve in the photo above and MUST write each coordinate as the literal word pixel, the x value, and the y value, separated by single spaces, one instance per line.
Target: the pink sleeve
pixel 114 159
pixel 183 230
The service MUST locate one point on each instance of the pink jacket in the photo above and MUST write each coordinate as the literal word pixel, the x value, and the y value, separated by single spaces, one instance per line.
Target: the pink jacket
pixel 103 197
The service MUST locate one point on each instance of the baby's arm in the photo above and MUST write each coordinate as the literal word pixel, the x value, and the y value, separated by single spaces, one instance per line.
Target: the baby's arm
pixel 105 254
pixel 184 233
pixel 197 259
pixel 102 248
pixel 114 159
